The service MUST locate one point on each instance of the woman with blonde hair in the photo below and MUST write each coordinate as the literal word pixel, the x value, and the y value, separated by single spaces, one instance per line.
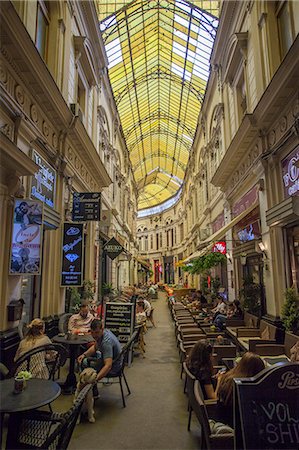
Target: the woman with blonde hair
pixel 249 365
pixel 35 337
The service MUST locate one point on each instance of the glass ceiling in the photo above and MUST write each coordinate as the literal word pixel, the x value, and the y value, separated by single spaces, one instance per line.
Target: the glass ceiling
pixel 158 53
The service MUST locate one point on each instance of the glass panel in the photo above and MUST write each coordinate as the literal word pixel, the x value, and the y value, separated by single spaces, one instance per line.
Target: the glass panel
pixel 158 53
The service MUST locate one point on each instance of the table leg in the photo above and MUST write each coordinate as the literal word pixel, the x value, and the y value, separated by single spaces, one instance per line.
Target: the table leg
pixel 71 381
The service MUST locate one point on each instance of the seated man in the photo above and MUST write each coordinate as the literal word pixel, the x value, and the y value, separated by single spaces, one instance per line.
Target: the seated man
pixel 81 322
pixel 105 350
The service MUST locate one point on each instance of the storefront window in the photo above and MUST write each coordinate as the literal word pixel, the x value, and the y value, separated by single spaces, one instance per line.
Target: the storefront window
pixel 293 256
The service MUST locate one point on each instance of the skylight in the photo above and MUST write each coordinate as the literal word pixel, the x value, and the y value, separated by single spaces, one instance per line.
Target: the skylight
pixel 158 53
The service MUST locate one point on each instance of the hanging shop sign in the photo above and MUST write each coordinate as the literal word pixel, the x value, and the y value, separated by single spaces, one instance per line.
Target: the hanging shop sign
pixel 72 254
pixel 219 247
pixel 113 248
pixel 290 174
pixel 86 206
pixel 26 237
pixel 43 182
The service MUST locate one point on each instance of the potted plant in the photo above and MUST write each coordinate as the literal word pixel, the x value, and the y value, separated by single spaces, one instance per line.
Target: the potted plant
pixel 290 311
pixel 251 296
pixel 108 290
pixel 21 380
pixel 77 294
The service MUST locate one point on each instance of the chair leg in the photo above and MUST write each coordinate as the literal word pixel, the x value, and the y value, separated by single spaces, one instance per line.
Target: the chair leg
pixel 122 392
pixel 129 392
pixel 185 384
pixel 189 418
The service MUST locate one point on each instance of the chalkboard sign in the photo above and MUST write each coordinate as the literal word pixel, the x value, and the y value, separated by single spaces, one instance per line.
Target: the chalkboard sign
pixel 266 409
pixel 120 318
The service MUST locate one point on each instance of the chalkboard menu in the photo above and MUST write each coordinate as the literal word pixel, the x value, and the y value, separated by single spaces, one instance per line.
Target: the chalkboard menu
pixel 72 254
pixel 266 409
pixel 119 318
pixel 86 206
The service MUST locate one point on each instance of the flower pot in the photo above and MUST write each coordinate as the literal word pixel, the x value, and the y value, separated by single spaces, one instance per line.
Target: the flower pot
pixel 20 385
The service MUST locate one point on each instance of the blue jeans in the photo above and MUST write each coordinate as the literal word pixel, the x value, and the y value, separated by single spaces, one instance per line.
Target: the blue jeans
pixel 220 320
pixel 97 362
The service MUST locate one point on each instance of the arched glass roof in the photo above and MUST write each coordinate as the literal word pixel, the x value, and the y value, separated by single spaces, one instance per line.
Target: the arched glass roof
pixel 158 53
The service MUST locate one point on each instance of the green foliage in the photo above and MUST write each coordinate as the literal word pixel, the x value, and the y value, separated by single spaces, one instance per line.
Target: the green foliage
pixel 107 289
pixel 24 375
pixel 204 263
pixel 87 292
pixel 215 282
pixel 77 294
pixel 290 310
pixel 251 296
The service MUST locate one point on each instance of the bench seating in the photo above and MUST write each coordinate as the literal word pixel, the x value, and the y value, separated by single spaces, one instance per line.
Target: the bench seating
pixel 248 338
pixel 267 349
pixel 249 321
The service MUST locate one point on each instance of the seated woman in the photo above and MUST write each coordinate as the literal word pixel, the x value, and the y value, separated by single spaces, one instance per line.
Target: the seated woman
pixel 34 338
pixel 249 366
pixel 233 311
pixel 200 365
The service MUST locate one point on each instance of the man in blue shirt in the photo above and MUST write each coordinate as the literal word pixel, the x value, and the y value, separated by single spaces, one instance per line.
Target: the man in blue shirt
pixel 105 350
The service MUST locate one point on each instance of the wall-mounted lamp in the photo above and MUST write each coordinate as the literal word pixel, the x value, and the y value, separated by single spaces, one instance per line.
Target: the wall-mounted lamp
pixel 243 258
pixel 262 248
pixel 229 257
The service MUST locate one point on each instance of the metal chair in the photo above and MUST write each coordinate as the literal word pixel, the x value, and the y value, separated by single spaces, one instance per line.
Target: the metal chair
pixel 63 322
pixel 44 430
pixel 36 362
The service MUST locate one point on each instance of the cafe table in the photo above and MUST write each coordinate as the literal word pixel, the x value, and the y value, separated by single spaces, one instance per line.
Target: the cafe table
pixel 73 342
pixel 38 392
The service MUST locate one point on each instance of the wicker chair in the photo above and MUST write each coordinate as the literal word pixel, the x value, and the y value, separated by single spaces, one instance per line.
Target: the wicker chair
pixel 220 437
pixel 44 430
pixel 35 361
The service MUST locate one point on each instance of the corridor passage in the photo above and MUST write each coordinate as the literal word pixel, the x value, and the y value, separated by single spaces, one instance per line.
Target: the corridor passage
pixel 156 412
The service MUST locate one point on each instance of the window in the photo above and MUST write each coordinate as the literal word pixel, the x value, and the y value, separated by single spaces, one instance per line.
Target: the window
pixel 81 95
pixel 145 243
pixel 42 26
pixel 157 241
pixel 284 27
pixel 152 242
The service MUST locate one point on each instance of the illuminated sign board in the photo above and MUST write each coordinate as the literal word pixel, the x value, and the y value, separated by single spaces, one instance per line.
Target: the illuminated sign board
pixel 43 182
pixel 86 206
pixel 72 254
pixel 220 247
pixel 290 173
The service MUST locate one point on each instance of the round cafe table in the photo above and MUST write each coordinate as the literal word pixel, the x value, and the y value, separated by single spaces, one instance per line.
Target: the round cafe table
pixel 73 342
pixel 37 393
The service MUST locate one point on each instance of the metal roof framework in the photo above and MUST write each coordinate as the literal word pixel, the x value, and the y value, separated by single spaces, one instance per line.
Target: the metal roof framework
pixel 158 53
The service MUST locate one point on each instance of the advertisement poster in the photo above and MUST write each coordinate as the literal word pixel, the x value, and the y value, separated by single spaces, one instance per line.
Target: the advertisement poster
pixel 26 237
pixel 72 254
